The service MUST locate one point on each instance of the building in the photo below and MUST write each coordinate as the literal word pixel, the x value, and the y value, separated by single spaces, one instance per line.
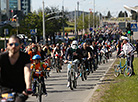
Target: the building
pixel 71 15
pixel 15 6
pixel 133 11
pixel 2 8
pixel 25 6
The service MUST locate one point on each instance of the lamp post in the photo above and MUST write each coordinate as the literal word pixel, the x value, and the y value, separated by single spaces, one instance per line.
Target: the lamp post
pixel 93 14
pixel 44 36
pixel 63 19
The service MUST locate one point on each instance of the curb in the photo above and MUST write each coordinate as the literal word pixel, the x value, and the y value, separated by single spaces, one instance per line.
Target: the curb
pixel 97 85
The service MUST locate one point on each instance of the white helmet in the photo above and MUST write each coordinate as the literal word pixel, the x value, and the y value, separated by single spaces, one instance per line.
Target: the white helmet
pixel 124 38
pixel 74 45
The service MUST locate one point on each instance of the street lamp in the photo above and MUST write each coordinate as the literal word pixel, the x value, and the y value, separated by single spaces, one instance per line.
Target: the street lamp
pixel 93 14
pixel 63 19
pixel 44 37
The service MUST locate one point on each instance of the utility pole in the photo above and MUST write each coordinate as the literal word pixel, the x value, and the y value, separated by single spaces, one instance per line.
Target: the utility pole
pixel 93 14
pixel 75 24
pixel 44 35
pixel 0 10
pixel 76 20
pixel 83 23
pixel 63 20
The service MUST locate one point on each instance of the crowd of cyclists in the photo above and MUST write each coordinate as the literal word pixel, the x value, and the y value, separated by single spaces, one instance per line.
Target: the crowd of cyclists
pixel 96 48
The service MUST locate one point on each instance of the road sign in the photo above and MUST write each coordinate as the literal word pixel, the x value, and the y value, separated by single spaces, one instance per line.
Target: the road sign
pixel 134 27
pixel 32 31
pixel 91 29
pixel 6 31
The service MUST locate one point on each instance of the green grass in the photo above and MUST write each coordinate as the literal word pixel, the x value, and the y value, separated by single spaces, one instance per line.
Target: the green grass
pixel 125 89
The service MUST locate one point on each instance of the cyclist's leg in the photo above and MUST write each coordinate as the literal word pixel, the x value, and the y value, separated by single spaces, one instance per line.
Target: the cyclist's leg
pixel 68 77
pixel 43 85
pixel 132 59
pixel 34 87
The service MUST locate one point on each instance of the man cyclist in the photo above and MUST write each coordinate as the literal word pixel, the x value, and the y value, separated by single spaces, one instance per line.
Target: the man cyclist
pixel 128 49
pixel 15 69
pixel 73 53
pixel 86 54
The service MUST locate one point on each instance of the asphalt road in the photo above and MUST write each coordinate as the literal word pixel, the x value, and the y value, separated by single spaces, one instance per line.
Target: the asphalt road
pixel 58 92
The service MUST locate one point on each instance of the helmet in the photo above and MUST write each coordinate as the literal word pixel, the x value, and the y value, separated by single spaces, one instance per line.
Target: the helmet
pixel 57 44
pixel 124 38
pixel 74 44
pixel 36 57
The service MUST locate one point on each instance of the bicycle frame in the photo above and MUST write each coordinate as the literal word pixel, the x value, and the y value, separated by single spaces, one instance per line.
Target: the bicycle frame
pixel 121 67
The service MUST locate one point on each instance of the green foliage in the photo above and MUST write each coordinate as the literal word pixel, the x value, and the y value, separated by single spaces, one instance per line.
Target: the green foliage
pixel 88 20
pixel 35 21
pixel 125 90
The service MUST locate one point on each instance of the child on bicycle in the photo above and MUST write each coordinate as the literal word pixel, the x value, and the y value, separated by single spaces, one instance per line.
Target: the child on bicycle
pixel 38 66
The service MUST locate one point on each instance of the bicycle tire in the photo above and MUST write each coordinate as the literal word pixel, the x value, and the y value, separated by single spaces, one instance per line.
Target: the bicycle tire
pixel 85 75
pixel 82 73
pixel 75 84
pixel 70 83
pixel 116 71
pixel 39 97
pixel 127 71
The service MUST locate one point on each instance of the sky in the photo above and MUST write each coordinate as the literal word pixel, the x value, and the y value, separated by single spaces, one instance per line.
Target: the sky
pixel 102 6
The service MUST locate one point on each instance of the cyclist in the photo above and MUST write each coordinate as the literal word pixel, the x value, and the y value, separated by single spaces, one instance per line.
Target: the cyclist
pixel 86 54
pixel 73 53
pixel 15 69
pixel 48 51
pixel 33 52
pixel 58 52
pixel 38 65
pixel 128 49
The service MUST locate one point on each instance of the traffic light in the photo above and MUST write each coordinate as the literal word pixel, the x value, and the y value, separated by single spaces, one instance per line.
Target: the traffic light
pixel 128 28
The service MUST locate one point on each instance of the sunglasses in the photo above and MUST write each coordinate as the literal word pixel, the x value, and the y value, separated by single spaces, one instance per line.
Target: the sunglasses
pixel 16 44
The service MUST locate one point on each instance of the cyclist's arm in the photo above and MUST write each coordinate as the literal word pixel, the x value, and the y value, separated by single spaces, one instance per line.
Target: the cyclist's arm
pixel 27 74
pixel 89 55
pixel 66 54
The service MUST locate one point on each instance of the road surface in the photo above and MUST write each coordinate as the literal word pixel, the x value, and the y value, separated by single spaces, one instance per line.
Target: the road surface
pixel 58 92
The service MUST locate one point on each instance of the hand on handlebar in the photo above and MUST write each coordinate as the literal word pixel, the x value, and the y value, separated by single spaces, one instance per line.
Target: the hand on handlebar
pixel 66 61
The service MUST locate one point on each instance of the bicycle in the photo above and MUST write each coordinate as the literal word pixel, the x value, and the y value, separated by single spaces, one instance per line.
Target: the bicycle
pixel 83 72
pixel 58 61
pixel 72 74
pixel 39 88
pixel 10 96
pixel 125 69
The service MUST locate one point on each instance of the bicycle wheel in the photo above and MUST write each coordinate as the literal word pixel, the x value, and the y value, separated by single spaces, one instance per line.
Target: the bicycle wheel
pixel 71 82
pixel 82 73
pixel 116 70
pixel 127 71
pixel 39 97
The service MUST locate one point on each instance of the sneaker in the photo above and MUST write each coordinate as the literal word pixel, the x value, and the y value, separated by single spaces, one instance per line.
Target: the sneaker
pixel 68 84
pixel 34 94
pixel 46 94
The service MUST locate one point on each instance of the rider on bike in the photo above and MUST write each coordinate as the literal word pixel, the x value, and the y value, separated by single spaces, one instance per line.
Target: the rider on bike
pixel 57 52
pixel 33 52
pixel 38 66
pixel 73 53
pixel 86 55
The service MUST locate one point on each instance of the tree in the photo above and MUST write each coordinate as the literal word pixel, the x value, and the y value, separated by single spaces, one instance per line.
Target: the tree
pixel 87 22
pixel 109 14
pixel 34 21
pixel 120 14
pixel 125 13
